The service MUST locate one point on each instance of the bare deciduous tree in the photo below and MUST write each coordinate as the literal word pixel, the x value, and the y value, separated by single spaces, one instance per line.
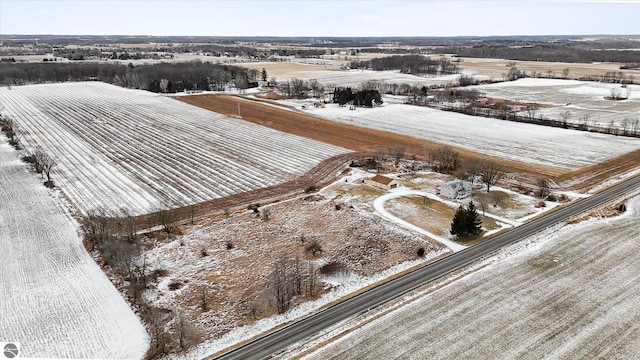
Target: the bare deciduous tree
pixel 9 128
pixel 167 218
pixel 281 286
pixel 204 298
pixel 184 330
pixel 543 187
pixel 564 117
pixel 483 200
pixel 48 163
pixel 163 85
pixel 266 214
pixel 491 173
pixel 444 159
pixel 470 169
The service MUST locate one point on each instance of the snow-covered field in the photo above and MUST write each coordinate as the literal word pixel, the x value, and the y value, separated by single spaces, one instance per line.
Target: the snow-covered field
pixel 129 149
pixel 578 97
pixel 571 293
pixel 355 78
pixel 327 73
pixel 568 149
pixel 54 299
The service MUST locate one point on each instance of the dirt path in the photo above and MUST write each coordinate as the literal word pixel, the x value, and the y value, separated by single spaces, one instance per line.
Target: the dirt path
pixel 320 175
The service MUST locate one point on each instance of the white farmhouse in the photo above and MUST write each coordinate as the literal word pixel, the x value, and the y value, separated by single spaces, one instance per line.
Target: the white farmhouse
pixel 456 189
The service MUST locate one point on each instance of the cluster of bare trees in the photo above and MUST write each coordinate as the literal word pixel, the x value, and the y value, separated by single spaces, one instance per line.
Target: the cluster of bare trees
pixel 42 162
pixel 8 126
pixel 411 64
pixel 170 330
pixel 291 278
pixel 117 241
pixel 444 160
pixel 301 88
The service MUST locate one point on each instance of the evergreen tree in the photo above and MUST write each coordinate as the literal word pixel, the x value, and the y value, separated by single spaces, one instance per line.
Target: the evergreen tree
pixel 459 221
pixel 466 221
pixel 263 74
pixel 472 221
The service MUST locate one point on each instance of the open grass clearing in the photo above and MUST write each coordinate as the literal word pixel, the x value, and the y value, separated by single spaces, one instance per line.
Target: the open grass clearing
pixel 242 249
pixel 431 215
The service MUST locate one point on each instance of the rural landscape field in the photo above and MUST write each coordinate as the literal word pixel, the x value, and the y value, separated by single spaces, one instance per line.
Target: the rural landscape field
pixel 307 197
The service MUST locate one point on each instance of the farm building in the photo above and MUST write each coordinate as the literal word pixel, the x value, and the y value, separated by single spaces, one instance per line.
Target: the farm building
pixel 456 189
pixel 382 182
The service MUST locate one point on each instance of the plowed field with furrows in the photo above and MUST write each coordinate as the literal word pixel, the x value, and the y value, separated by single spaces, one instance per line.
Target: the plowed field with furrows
pixel 138 151
pixel 54 299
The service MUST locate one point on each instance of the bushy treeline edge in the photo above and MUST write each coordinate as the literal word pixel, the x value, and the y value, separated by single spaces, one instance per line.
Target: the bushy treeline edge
pixel 409 64
pixel 162 77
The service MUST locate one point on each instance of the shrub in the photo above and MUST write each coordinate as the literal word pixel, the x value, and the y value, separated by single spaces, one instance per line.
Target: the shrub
pixel 333 267
pixel 311 189
pixel 420 252
pixel 174 285
pixel 314 248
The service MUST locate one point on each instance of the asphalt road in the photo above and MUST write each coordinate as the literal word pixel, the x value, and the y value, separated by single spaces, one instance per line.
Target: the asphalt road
pixel 265 346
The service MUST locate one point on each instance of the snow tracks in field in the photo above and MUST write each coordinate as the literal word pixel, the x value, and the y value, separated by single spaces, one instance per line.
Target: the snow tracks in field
pixel 138 151
pixel 54 299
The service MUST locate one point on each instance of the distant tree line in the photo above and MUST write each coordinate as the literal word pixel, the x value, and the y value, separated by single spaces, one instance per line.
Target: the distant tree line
pixel 364 97
pixel 409 64
pixel 549 52
pixel 163 77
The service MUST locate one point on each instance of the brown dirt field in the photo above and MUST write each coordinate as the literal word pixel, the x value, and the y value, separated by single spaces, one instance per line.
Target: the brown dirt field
pixel 348 136
pixel 518 103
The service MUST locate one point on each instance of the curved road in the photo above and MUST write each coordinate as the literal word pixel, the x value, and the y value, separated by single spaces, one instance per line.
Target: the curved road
pixel 278 340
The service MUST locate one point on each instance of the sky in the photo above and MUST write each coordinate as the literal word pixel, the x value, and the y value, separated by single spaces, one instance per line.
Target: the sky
pixel 318 18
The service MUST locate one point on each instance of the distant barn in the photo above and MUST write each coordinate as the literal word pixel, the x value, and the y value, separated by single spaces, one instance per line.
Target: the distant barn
pixel 382 182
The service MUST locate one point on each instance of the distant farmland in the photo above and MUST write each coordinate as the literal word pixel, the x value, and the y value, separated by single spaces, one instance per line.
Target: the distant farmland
pixel 121 149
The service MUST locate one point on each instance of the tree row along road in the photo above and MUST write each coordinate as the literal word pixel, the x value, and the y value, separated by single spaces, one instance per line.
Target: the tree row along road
pixel 267 345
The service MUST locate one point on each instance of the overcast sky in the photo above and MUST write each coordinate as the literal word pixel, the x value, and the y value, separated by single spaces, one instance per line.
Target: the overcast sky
pixel 319 18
